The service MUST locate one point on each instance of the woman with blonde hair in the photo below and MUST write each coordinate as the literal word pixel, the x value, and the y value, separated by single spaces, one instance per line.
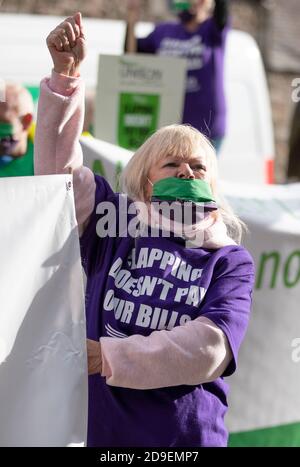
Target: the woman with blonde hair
pixel 165 319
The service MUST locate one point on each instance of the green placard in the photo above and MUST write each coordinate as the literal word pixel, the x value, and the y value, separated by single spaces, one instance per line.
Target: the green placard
pixel 138 118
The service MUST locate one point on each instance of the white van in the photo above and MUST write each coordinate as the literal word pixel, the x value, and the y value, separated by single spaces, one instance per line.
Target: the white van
pixel 247 154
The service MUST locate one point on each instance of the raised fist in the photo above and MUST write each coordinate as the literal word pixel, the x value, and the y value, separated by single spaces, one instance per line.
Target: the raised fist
pixel 67 46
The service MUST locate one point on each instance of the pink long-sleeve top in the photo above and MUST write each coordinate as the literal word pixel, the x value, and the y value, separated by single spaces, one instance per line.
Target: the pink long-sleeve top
pixel 193 353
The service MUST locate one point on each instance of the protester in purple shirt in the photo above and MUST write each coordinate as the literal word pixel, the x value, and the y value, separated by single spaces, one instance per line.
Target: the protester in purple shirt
pixel 201 39
pixel 168 297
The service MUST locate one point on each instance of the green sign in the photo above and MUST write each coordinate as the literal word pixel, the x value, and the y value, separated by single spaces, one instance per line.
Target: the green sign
pixel 138 118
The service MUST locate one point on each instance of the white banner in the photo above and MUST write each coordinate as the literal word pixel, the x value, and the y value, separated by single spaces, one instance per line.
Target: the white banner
pixel 43 374
pixel 265 390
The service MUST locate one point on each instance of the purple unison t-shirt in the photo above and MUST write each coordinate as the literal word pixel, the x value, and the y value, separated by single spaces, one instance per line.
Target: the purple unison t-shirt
pixel 205 106
pixel 137 286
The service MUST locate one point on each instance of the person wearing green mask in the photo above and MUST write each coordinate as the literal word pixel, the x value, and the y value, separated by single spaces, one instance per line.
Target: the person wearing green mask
pixel 165 320
pixel 16 144
pixel 199 35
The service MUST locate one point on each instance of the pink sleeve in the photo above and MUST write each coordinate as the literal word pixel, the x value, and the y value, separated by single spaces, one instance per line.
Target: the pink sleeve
pixel 57 146
pixel 195 353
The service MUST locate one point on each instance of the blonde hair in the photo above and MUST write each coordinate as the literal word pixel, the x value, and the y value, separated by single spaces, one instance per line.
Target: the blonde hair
pixel 178 141
pixel 208 5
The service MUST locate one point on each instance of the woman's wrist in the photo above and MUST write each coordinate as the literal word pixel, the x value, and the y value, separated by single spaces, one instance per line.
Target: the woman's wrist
pixel 132 17
pixel 63 84
pixel 72 72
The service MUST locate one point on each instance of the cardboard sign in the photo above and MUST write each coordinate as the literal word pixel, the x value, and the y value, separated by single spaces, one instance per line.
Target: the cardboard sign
pixel 136 95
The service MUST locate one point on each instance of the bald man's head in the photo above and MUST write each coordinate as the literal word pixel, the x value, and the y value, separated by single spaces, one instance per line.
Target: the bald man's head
pixel 18 101
pixel 16 115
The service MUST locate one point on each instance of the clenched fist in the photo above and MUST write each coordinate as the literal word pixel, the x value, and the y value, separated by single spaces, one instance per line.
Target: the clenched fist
pixel 67 46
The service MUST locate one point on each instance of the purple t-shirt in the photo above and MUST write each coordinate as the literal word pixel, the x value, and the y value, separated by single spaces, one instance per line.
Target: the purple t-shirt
pixel 137 286
pixel 205 106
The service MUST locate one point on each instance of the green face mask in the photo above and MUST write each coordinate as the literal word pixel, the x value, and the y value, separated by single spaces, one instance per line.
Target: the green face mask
pixel 6 130
pixel 182 189
pixel 180 5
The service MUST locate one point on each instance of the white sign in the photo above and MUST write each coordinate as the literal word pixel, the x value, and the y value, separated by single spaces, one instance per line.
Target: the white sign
pixel 43 374
pixel 137 94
